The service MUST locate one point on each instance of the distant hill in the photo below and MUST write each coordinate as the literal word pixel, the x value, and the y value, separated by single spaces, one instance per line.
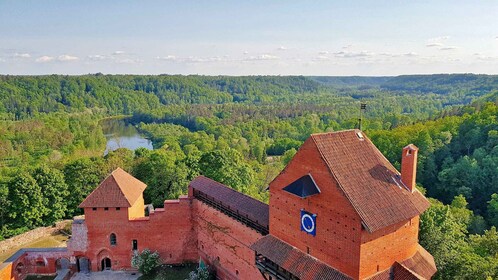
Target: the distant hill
pixel 341 81
pixel 442 83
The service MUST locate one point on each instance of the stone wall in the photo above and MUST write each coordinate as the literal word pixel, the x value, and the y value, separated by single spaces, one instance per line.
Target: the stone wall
pixel 31 235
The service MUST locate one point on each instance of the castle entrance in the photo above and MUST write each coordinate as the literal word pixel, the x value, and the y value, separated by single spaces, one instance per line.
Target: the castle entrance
pixel 106 264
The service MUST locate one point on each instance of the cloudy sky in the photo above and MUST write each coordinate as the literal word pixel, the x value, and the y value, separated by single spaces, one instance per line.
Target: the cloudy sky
pixel 249 37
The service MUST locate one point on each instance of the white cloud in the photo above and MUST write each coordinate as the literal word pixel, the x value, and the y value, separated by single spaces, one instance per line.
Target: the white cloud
pixel 22 55
pixel 66 57
pixel 261 57
pixel 96 57
pixel 439 39
pixel 45 58
pixel 245 52
pixel 435 44
pixel 353 54
pixel 282 48
pixel 2 60
pixel 321 58
pixel 448 48
pixel 118 53
pixel 168 58
pixel 129 60
pixel 411 54
pixel 347 47
pixel 323 52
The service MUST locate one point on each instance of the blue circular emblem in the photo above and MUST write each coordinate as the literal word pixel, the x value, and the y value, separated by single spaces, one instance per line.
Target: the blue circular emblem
pixel 307 223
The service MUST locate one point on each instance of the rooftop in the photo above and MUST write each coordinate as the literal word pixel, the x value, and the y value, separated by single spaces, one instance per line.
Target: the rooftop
pixel 240 203
pixel 120 189
pixel 293 260
pixel 368 179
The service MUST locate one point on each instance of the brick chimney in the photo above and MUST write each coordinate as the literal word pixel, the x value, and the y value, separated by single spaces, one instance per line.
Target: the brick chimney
pixel 409 166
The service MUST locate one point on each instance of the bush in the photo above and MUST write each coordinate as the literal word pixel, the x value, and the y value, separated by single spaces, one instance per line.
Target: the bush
pixel 202 273
pixel 146 262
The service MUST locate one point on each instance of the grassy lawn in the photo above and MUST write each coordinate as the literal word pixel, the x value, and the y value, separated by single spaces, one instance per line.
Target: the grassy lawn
pixel 167 272
pixel 58 240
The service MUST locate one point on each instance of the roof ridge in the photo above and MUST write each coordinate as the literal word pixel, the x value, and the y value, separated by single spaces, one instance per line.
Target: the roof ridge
pixel 333 132
pixel 339 183
pixel 119 185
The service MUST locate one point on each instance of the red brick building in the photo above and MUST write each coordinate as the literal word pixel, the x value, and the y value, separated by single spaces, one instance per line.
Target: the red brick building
pixel 339 210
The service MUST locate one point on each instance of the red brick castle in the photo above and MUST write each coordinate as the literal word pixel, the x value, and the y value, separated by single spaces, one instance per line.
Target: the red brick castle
pixel 339 210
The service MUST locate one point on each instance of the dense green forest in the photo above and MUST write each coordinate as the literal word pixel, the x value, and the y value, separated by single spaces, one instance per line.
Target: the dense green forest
pixel 242 131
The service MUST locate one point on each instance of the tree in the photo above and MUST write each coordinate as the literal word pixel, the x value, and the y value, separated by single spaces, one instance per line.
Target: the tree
pixel 82 177
pixel 493 210
pixel 28 205
pixel 146 262
pixel 227 166
pixel 55 192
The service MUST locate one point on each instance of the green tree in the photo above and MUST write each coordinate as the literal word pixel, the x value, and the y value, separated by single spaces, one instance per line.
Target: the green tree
pixel 27 207
pixel 227 167
pixel 146 261
pixel 55 192
pixel 82 177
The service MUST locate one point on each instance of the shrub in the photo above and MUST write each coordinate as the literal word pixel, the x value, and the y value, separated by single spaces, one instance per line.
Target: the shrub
pixel 146 262
pixel 202 273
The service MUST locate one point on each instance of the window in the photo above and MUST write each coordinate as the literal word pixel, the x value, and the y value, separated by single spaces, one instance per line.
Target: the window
pixel 112 239
pixel 106 209
pixel 40 263
pixel 135 245
pixel 118 208
pixel 94 208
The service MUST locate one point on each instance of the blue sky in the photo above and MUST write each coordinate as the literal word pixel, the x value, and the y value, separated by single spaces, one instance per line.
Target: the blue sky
pixel 249 37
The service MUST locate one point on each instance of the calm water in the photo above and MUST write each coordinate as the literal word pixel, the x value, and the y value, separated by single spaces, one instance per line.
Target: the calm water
pixel 119 134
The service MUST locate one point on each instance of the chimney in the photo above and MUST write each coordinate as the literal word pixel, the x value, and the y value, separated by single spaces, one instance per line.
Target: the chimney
pixel 409 166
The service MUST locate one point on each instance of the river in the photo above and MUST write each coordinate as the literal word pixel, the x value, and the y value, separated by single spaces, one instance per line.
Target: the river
pixel 120 134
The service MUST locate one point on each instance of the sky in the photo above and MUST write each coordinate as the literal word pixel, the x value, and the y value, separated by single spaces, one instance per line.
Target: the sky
pixel 334 38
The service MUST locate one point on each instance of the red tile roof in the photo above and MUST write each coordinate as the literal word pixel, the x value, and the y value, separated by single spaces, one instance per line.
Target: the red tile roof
pixel 420 266
pixel 119 189
pixel 368 179
pixel 288 257
pixel 422 263
pixel 244 205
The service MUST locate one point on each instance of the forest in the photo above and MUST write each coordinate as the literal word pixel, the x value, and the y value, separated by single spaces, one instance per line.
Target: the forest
pixel 242 131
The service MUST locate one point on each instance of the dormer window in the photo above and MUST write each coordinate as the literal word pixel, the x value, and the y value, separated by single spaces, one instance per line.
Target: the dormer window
pixel 112 239
pixel 106 209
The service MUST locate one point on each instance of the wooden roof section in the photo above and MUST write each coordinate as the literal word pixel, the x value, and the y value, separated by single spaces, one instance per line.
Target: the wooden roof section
pixel 368 179
pixel 240 203
pixel 119 189
pixel 288 257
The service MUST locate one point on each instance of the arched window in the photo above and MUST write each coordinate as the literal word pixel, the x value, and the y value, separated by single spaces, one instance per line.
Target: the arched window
pixel 112 239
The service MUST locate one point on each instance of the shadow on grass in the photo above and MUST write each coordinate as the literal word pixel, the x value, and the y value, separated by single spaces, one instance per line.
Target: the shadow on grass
pixel 169 272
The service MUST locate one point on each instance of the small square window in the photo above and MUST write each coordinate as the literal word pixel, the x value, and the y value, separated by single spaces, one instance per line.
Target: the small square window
pixel 118 208
pixel 94 208
pixel 106 209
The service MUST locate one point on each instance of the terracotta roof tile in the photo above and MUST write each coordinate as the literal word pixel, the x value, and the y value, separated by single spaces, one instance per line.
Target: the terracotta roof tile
pixel 422 263
pixel 119 189
pixel 246 206
pixel 301 265
pixel 368 179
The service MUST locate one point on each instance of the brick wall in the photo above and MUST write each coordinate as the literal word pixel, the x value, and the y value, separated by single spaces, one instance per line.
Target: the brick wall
pixel 224 243
pixel 168 230
pixel 338 226
pixel 6 271
pixel 379 250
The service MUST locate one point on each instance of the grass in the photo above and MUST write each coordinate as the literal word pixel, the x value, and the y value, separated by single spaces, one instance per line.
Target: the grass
pixel 57 240
pixel 167 272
